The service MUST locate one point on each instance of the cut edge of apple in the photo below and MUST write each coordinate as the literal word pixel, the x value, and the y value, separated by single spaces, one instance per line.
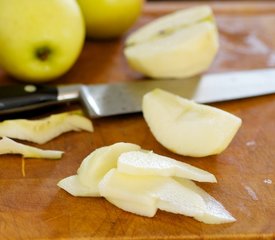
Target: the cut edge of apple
pixel 168 23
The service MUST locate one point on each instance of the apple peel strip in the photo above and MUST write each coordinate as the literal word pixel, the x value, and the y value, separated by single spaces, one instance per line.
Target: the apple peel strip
pixel 43 130
pixel 8 146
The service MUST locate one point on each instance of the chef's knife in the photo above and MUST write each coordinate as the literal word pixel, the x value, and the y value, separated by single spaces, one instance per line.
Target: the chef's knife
pixel 119 98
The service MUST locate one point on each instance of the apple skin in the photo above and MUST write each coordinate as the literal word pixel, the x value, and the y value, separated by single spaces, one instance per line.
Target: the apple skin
pixel 40 40
pixel 106 19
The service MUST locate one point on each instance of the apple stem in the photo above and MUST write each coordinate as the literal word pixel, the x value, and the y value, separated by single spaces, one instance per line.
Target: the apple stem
pixel 43 53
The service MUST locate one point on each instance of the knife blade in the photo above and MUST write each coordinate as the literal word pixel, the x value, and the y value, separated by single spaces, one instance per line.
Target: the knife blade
pixel 100 100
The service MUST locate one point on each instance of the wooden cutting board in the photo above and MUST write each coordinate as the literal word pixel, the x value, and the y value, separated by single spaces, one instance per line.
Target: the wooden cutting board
pixel 33 207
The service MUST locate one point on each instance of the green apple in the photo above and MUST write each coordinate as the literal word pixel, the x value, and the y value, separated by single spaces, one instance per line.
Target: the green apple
pixel 40 40
pixel 186 127
pixel 109 18
pixel 181 44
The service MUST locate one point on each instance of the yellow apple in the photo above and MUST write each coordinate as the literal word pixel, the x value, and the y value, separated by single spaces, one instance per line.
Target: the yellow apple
pixel 40 40
pixel 109 18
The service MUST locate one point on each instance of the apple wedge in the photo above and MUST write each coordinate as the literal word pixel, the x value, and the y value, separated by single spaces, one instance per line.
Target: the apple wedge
pixel 8 146
pixel 144 195
pixel 43 130
pixel 93 168
pixel 181 44
pixel 143 163
pixel 186 127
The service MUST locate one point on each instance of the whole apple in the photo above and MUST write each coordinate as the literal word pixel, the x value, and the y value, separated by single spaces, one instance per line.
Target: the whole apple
pixel 40 40
pixel 109 18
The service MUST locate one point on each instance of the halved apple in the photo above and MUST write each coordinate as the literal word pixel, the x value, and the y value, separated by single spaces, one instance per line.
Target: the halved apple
pixel 148 163
pixel 8 146
pixel 43 130
pixel 180 44
pixel 93 168
pixel 186 127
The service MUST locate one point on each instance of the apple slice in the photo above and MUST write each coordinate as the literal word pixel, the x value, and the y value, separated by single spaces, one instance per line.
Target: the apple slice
pixel 180 44
pixel 148 163
pixel 215 212
pixel 144 195
pixel 8 146
pixel 186 127
pixel 93 168
pixel 43 130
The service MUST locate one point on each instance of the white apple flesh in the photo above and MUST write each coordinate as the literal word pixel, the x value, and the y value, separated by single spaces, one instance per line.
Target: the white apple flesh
pixel 93 168
pixel 215 213
pixel 143 195
pixel 148 163
pixel 149 193
pixel 177 45
pixel 186 127
pixel 40 40
pixel 43 130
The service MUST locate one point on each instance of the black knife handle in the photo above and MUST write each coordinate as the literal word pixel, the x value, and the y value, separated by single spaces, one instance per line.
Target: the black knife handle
pixel 22 97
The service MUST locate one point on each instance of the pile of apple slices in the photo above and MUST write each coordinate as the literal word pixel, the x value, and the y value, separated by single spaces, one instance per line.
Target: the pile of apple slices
pixel 142 182
pixel 181 44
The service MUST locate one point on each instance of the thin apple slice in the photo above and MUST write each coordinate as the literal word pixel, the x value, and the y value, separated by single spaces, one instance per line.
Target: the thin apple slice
pixel 43 130
pixel 186 127
pixel 215 212
pixel 181 44
pixel 73 186
pixel 143 195
pixel 148 163
pixel 94 167
pixel 8 146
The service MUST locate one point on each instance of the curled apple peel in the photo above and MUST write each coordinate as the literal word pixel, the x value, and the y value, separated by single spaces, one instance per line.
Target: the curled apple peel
pixel 8 146
pixel 43 130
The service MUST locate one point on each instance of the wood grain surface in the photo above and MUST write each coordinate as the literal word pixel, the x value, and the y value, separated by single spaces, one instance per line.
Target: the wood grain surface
pixel 33 207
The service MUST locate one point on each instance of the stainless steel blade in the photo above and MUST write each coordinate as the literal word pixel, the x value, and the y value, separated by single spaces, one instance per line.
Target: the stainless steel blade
pixel 121 98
